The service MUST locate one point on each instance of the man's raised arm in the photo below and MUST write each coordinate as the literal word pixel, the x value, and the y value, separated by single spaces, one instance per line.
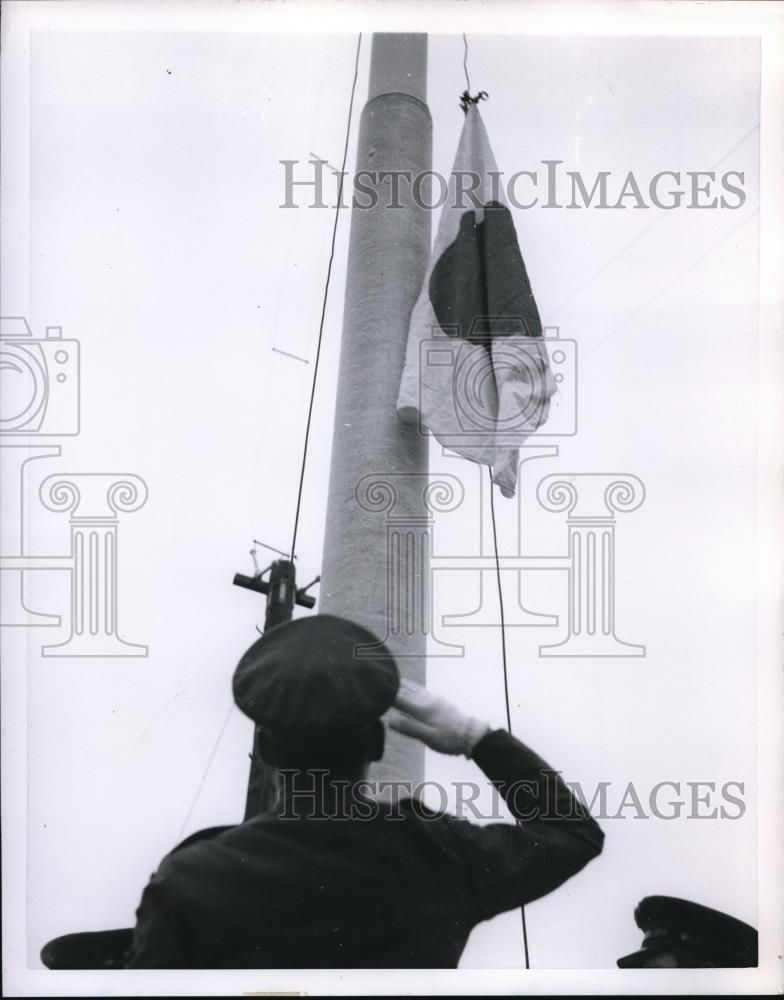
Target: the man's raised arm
pixel 555 835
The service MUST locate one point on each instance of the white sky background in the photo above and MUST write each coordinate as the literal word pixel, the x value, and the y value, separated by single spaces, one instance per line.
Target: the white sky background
pixel 156 239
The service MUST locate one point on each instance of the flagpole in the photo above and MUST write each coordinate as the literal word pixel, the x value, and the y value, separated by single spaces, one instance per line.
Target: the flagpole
pixel 375 564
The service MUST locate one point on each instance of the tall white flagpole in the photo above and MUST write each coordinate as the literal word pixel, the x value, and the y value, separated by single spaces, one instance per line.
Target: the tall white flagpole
pixel 375 564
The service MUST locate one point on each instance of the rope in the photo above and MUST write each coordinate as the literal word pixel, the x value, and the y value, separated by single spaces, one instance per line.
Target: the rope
pixel 205 772
pixel 338 205
pixel 466 100
pixel 506 671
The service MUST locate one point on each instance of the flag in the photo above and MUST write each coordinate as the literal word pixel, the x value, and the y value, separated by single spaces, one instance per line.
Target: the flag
pixel 476 373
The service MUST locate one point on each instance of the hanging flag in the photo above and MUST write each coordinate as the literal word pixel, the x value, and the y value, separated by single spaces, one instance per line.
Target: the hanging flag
pixel 477 373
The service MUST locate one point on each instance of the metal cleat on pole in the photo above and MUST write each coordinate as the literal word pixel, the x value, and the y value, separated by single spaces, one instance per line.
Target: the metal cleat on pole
pixel 280 589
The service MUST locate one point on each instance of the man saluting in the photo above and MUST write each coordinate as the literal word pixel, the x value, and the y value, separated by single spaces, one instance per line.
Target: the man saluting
pixel 330 878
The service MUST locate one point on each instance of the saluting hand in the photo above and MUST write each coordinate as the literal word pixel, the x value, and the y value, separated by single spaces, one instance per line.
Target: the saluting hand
pixel 435 721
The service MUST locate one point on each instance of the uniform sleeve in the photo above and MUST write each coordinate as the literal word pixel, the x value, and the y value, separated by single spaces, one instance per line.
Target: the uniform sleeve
pixel 553 839
pixel 156 943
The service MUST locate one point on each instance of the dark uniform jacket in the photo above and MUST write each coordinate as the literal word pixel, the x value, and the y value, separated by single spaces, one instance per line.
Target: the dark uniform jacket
pixel 397 887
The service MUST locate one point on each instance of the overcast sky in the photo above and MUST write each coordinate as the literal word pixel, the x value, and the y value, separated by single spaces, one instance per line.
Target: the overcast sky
pixel 156 239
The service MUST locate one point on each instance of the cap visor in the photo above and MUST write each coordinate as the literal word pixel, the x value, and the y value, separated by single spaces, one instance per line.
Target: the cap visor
pixel 637 959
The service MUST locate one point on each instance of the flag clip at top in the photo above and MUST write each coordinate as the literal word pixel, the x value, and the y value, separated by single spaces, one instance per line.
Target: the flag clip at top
pixel 466 100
